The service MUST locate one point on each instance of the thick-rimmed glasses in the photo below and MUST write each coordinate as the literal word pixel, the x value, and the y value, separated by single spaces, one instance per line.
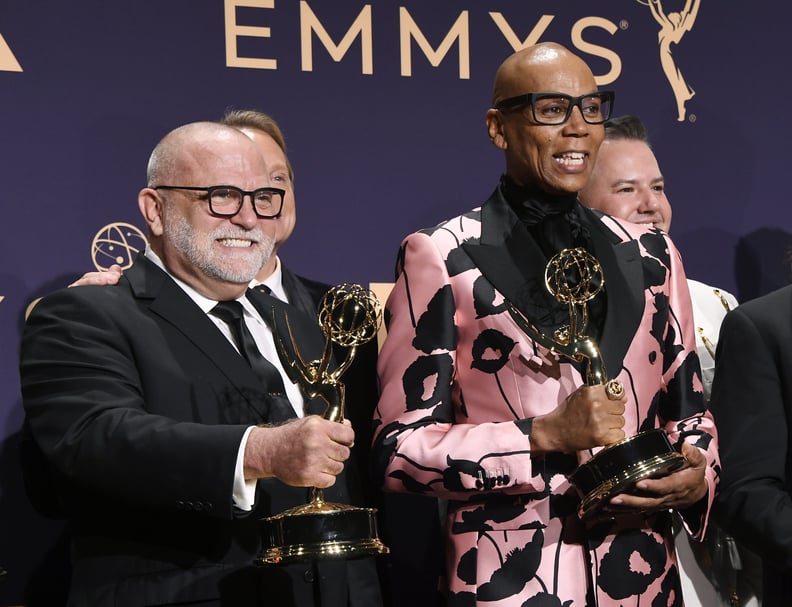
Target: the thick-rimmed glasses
pixel 227 200
pixel 556 108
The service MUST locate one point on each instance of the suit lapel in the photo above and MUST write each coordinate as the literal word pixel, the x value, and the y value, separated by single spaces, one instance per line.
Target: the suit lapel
pixel 624 284
pixel 172 304
pixel 298 294
pixel 299 333
pixel 510 259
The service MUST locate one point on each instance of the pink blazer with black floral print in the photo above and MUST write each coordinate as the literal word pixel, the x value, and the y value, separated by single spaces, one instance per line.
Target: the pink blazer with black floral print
pixel 460 384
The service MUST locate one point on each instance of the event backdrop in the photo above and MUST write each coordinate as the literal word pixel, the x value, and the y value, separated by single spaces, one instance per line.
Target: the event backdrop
pixel 382 104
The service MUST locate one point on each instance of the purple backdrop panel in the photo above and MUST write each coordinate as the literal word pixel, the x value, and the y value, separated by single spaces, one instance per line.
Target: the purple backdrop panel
pixel 382 105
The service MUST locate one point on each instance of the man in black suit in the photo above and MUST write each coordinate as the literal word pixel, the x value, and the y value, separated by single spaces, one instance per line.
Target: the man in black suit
pixel 303 293
pixel 752 405
pixel 409 574
pixel 166 448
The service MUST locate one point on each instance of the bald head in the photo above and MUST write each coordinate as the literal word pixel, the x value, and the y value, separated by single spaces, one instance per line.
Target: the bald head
pixel 553 157
pixel 525 70
pixel 187 147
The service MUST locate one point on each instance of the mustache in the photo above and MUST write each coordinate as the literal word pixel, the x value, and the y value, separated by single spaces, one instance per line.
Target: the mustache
pixel 234 232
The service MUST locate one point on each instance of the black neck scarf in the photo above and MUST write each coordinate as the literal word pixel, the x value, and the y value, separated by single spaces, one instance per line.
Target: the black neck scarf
pixel 555 222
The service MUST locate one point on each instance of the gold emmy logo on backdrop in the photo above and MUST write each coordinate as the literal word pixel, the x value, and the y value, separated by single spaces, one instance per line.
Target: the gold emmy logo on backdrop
pixel 117 243
pixel 574 277
pixel 8 63
pixel 350 316
pixel 673 26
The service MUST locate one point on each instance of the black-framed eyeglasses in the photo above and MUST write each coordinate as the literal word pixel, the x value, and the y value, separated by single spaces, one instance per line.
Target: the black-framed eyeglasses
pixel 556 108
pixel 227 200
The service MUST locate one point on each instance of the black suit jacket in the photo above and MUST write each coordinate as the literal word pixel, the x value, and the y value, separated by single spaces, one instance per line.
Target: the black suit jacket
pixel 139 404
pixel 752 406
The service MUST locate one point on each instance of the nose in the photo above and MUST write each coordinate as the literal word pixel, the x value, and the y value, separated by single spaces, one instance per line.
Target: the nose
pixel 246 216
pixel 575 122
pixel 649 202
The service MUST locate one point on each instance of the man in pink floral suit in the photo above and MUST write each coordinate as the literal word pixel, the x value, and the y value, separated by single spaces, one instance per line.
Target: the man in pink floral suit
pixel 476 412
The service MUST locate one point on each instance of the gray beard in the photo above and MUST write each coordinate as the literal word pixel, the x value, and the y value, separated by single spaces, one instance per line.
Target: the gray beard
pixel 197 247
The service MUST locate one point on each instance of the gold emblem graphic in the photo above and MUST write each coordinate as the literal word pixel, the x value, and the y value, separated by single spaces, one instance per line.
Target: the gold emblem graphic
pixel 673 26
pixel 117 243
pixel 8 63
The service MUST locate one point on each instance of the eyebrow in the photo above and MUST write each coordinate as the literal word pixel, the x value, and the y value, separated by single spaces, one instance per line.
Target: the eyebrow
pixel 634 181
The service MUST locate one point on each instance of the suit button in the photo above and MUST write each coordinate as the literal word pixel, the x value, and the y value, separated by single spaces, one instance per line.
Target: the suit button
pixel 308 576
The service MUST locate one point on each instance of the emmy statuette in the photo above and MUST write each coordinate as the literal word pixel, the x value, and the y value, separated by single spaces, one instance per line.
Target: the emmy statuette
pixel 349 316
pixel 574 277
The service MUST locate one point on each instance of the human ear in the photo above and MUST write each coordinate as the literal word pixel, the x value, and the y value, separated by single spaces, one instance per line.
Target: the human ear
pixel 495 129
pixel 150 205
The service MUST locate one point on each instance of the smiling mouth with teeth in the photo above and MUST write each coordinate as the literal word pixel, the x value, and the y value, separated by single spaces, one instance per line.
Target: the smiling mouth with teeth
pixel 571 158
pixel 236 242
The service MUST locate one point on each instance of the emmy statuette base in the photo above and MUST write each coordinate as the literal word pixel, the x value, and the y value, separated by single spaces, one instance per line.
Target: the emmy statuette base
pixel 320 530
pixel 618 467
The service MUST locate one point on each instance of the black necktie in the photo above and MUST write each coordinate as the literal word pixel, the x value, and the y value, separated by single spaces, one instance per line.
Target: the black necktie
pixel 232 314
